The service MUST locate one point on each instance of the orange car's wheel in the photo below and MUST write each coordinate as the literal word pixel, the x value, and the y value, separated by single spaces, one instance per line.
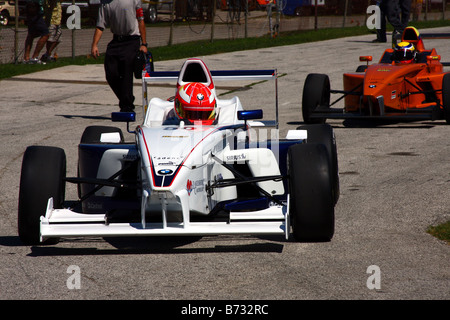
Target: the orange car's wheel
pixel 446 96
pixel 316 93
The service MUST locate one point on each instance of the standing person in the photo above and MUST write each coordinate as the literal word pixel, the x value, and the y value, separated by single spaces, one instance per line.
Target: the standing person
pixel 381 33
pixel 397 13
pixel 126 21
pixel 36 28
pixel 53 19
pixel 405 11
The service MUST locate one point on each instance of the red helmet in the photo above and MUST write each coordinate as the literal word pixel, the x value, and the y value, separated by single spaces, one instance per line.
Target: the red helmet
pixel 194 101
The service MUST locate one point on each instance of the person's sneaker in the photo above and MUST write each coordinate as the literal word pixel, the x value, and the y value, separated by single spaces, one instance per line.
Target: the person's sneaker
pixel 35 61
pixel 44 57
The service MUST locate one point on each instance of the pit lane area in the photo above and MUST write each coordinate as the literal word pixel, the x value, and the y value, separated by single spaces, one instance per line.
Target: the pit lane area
pixel 394 178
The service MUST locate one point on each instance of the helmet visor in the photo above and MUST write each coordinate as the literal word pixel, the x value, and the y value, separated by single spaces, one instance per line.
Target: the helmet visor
pixel 403 55
pixel 199 115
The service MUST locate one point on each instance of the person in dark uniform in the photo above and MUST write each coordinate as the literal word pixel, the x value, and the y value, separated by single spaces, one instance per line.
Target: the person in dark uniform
pixel 126 21
pixel 397 13
pixel 381 33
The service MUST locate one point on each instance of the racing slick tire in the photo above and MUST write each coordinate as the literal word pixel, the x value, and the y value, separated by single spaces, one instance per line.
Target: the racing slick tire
pixel 311 203
pixel 361 68
pixel 446 96
pixel 324 134
pixel 316 92
pixel 42 177
pixel 92 134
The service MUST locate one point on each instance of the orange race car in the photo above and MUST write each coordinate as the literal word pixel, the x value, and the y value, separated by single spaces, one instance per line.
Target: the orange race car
pixel 408 83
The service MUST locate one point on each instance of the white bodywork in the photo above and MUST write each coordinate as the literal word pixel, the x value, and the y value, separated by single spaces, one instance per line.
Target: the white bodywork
pixel 177 164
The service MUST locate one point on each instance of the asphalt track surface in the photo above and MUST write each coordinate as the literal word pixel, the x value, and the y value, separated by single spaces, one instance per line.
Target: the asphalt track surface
pixel 395 182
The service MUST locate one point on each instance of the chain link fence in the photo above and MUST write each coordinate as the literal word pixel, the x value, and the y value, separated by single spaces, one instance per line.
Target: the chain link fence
pixel 179 21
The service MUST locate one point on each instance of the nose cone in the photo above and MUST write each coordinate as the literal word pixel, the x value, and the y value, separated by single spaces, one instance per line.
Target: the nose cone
pixel 377 77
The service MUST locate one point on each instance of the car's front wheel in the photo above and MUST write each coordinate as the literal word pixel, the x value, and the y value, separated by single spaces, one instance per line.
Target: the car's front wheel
pixel 42 177
pixel 311 203
pixel 446 97
pixel 316 93
pixel 324 134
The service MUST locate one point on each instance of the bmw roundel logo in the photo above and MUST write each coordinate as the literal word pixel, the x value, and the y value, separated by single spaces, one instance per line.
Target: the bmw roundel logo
pixel 165 171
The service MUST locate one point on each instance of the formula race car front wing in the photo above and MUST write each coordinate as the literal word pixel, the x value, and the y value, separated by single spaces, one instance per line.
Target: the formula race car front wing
pixel 67 223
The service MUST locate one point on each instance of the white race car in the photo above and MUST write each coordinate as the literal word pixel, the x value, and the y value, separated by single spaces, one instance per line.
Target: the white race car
pixel 182 177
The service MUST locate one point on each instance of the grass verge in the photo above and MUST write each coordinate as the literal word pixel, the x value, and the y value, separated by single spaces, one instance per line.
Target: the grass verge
pixel 206 47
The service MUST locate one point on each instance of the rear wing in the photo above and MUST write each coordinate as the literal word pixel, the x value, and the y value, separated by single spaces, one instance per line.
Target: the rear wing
pixel 437 36
pixel 217 75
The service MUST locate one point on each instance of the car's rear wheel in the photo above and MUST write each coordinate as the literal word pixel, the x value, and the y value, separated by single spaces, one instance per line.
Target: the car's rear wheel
pixel 324 134
pixel 93 134
pixel 316 92
pixel 311 204
pixel 446 97
pixel 42 177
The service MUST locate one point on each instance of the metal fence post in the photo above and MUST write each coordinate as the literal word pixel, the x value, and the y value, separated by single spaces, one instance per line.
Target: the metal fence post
pixel 444 4
pixel 246 19
pixel 73 38
pixel 213 18
pixel 315 15
pixel 16 32
pixel 345 13
pixel 171 23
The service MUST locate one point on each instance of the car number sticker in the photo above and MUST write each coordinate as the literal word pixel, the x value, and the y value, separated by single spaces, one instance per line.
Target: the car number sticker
pixel 393 94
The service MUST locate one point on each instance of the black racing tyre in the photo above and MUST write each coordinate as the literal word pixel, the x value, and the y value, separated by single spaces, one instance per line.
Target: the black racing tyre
pixel 42 177
pixel 92 134
pixel 316 92
pixel 311 205
pixel 446 96
pixel 361 68
pixel 324 134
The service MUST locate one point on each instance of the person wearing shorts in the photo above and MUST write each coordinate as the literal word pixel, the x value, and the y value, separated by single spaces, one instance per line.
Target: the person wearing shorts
pixel 37 28
pixel 53 18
